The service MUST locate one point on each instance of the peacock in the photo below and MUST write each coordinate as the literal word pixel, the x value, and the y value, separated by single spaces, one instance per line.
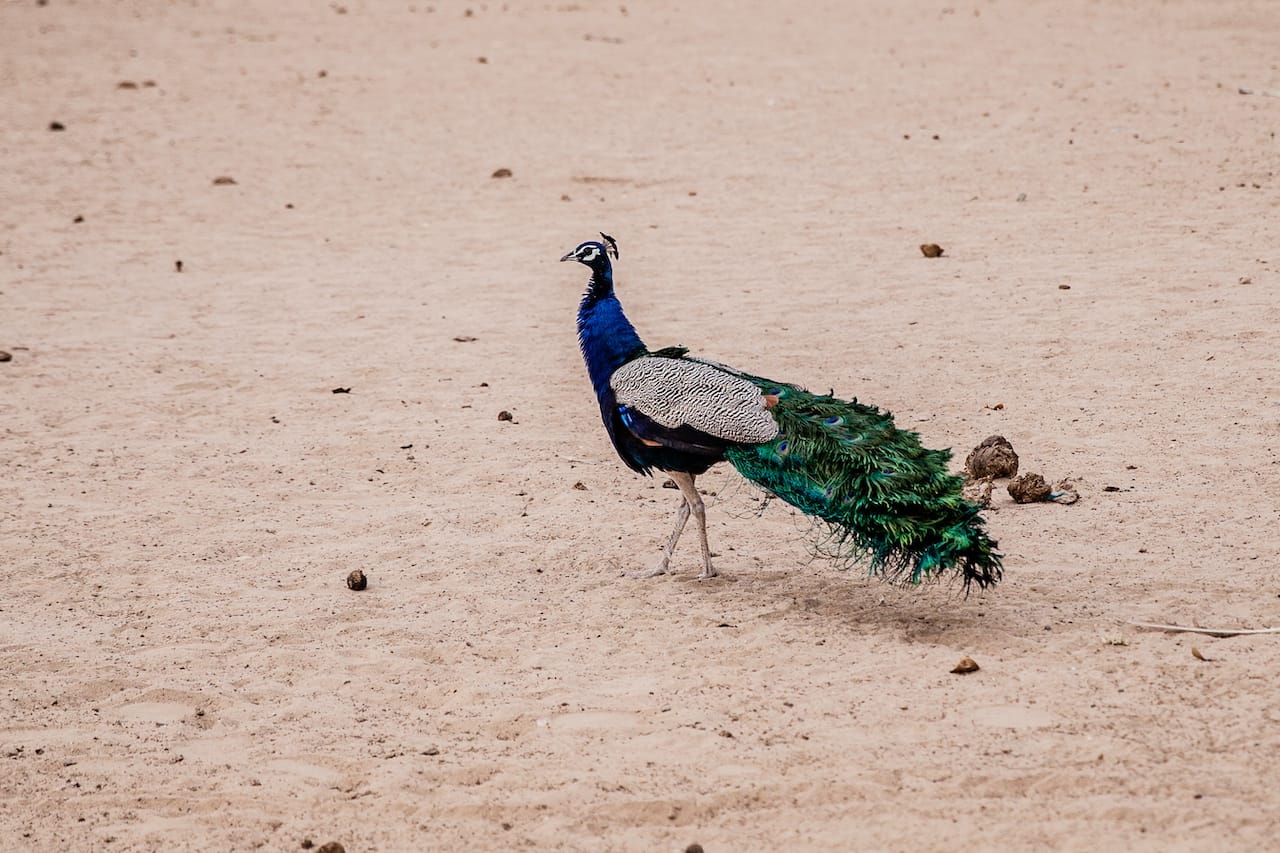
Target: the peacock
pixel 875 492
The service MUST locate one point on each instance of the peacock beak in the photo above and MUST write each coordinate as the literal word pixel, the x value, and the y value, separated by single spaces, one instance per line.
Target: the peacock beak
pixel 569 257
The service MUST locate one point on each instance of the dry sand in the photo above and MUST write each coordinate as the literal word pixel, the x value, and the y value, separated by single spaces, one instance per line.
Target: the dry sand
pixel 183 495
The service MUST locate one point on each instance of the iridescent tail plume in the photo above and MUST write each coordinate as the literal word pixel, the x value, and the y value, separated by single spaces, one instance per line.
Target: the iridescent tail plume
pixel 882 496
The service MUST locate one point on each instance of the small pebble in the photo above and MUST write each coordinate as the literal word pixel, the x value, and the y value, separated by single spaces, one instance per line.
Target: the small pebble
pixel 57 125
pixel 504 415
pixel 693 848
pixel 501 173
pixel 966 666
pixel 931 250
pixel 5 356
pixel 357 581
pixel 223 181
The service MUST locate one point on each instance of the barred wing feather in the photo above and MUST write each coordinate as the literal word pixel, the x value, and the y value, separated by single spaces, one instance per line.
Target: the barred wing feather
pixel 678 392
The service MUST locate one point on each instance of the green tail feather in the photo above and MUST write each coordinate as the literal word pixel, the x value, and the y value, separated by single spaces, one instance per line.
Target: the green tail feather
pixel 881 494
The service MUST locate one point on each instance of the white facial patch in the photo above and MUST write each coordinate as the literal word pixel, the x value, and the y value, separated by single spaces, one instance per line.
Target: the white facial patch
pixel 588 255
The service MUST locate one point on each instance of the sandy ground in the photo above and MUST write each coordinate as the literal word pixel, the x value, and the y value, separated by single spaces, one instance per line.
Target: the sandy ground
pixel 181 663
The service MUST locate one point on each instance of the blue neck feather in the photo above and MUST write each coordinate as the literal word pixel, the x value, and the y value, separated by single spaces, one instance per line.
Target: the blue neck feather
pixel 606 336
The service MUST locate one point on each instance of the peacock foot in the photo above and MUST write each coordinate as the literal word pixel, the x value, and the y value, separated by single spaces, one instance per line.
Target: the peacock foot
pixel 660 569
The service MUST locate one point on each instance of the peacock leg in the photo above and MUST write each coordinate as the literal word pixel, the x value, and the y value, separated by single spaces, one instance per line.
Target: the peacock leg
pixel 682 515
pixel 693 501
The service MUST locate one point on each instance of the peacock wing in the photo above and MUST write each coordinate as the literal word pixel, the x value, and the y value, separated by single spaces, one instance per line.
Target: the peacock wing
pixel 678 392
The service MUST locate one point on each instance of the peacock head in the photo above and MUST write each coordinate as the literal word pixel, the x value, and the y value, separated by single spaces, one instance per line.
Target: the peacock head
pixel 595 255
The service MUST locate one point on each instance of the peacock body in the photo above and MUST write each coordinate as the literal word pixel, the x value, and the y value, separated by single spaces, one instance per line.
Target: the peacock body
pixel 880 496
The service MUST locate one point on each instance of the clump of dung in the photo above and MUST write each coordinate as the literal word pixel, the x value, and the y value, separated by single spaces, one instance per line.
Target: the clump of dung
pixel 994 458
pixel 1029 488
pixel 979 492
pixel 1032 488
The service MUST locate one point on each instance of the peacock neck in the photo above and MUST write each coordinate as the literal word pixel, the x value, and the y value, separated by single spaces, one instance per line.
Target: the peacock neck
pixel 606 336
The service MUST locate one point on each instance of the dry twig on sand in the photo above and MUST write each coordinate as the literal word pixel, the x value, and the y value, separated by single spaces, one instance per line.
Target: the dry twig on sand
pixel 1212 632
